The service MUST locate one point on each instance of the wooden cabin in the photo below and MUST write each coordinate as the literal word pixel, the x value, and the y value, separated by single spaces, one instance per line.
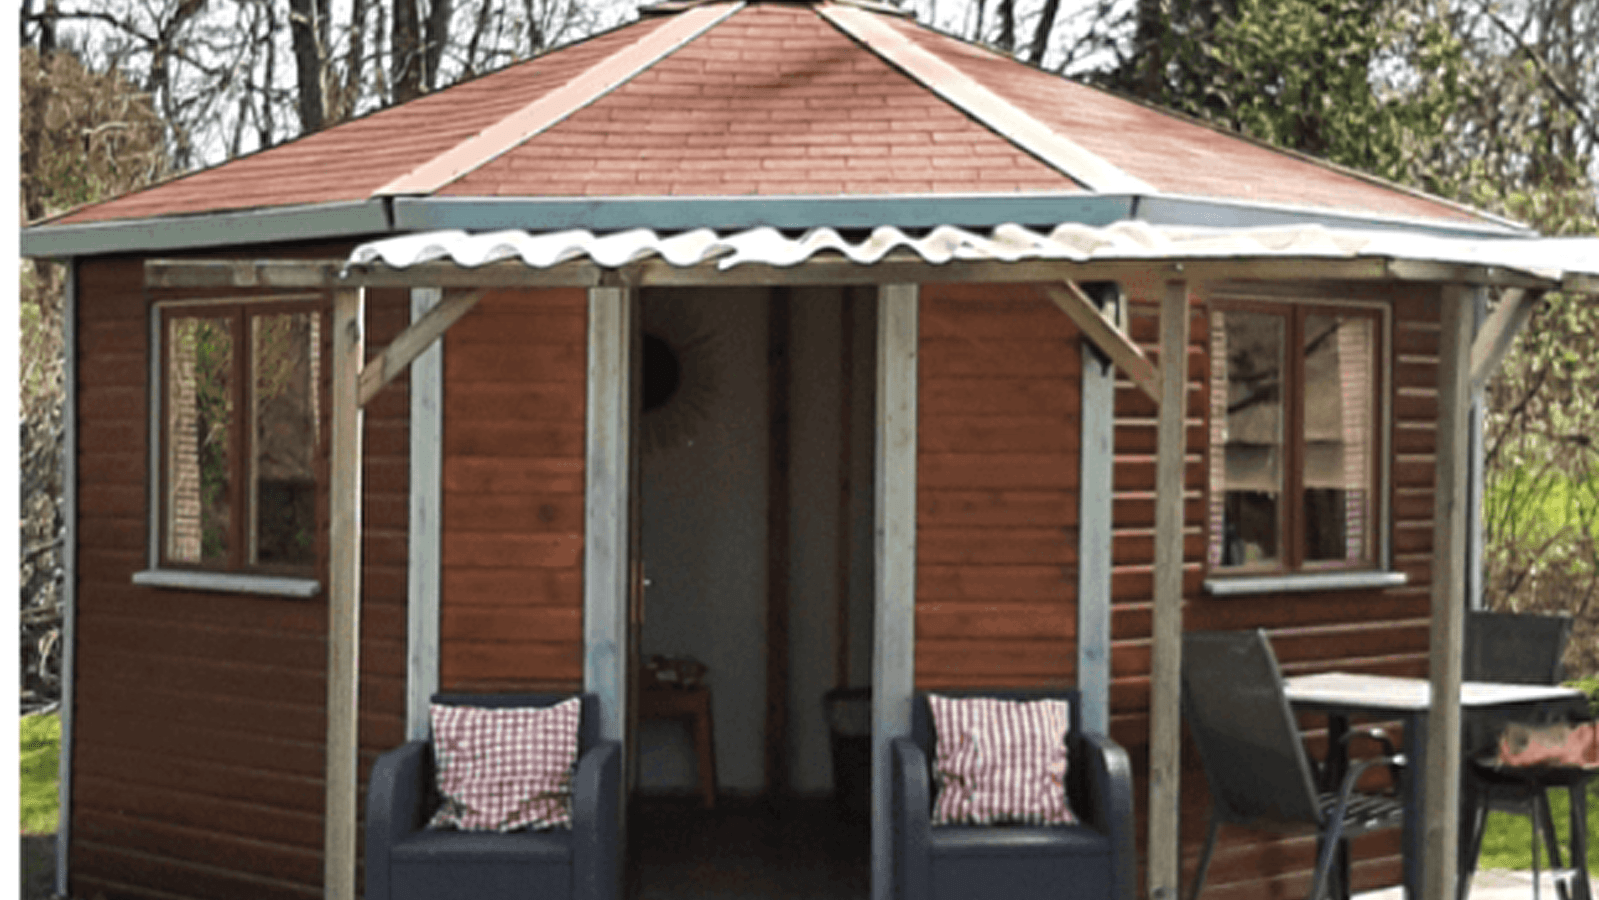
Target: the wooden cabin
pixel 794 338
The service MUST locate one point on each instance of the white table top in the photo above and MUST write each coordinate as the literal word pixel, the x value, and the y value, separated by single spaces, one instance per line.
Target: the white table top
pixel 1410 694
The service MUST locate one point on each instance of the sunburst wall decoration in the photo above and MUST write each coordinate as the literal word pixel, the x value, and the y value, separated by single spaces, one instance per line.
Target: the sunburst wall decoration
pixel 683 371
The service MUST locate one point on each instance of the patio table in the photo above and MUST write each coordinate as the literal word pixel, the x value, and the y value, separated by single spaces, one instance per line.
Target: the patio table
pixel 1342 695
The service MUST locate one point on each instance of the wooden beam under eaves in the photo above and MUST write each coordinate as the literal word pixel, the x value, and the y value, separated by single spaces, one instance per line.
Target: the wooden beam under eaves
pixel 242 273
pixel 1116 345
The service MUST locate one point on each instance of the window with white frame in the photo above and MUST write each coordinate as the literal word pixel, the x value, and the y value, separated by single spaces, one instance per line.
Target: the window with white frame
pixel 1295 439
pixel 240 435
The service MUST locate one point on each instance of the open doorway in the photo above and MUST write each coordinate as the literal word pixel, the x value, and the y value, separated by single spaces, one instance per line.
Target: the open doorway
pixel 756 450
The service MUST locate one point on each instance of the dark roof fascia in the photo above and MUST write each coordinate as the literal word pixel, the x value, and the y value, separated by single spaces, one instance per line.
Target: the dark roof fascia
pixel 379 217
pixel 601 214
pixel 1168 209
pixel 344 219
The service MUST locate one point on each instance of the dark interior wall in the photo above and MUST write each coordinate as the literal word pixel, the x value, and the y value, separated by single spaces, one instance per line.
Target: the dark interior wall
pixel 515 376
pixel 199 717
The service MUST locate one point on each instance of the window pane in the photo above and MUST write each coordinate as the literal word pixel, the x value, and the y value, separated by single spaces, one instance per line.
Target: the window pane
pixel 283 358
pixel 1340 389
pixel 199 414
pixel 1246 456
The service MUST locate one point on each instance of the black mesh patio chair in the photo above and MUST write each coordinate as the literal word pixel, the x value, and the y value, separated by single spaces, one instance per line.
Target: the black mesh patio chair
pixel 1519 649
pixel 1255 761
pixel 406 860
pixel 1093 859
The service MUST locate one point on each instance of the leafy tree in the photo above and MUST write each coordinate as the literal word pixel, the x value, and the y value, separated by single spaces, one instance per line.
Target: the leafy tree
pixel 83 136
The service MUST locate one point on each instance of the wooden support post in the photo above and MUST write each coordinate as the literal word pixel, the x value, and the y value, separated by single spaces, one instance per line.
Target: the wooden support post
pixel 893 651
pixel 425 537
pixel 606 526
pixel 1442 765
pixel 1094 516
pixel 1165 712
pixel 344 599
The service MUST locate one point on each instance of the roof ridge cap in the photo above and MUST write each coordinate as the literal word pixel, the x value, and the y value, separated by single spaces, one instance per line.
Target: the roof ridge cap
pixel 980 102
pixel 1302 156
pixel 557 105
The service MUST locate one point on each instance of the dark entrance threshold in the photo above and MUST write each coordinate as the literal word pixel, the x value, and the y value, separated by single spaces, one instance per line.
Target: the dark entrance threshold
pixel 747 849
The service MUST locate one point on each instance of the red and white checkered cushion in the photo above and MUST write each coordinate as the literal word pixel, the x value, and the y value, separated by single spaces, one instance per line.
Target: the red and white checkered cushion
pixel 505 769
pixel 1000 761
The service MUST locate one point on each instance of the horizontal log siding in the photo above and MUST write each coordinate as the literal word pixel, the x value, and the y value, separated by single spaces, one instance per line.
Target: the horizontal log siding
pixel 997 472
pixel 1381 631
pixel 996 539
pixel 512 596
pixel 199 720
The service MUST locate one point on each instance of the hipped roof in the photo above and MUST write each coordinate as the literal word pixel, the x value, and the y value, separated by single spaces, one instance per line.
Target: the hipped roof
pixel 780 103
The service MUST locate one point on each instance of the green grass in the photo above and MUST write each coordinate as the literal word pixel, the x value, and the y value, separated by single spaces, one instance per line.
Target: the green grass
pixel 41 748
pixel 1507 843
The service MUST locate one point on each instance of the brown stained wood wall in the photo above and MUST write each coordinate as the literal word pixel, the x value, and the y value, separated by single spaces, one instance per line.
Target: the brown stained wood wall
pixel 512 595
pixel 997 471
pixel 199 717
pixel 996 537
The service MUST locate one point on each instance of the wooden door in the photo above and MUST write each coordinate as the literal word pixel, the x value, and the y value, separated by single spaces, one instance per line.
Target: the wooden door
pixel 635 540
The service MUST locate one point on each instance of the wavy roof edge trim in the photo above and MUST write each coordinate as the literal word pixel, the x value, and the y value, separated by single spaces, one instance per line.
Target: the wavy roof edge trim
pixel 1548 259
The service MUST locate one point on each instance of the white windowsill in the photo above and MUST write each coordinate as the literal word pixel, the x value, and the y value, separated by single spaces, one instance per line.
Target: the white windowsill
pixel 268 585
pixel 1321 581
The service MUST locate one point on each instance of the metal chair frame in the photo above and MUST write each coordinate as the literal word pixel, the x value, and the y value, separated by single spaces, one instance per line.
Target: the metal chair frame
pixel 1254 757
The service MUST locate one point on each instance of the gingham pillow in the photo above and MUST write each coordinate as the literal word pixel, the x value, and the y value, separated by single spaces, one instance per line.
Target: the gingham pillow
pixel 505 769
pixel 1000 761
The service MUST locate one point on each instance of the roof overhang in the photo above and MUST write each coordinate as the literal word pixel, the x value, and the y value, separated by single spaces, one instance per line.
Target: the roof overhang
pixel 349 220
pixel 364 219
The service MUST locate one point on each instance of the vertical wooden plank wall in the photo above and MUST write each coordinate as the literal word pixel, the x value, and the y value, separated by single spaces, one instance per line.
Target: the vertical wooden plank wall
pixel 198 760
pixel 512 599
pixel 997 472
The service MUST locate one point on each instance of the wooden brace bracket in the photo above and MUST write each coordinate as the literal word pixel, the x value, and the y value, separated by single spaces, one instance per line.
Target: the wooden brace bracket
pixel 1123 352
pixel 412 342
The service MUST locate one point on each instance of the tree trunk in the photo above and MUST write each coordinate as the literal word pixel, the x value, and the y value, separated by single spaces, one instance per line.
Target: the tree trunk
pixel 303 18
pixel 405 44
pixel 437 34
pixel 1039 45
pixel 1150 61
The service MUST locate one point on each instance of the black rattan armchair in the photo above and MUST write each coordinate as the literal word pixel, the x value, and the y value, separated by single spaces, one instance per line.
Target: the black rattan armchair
pixel 1093 859
pixel 407 861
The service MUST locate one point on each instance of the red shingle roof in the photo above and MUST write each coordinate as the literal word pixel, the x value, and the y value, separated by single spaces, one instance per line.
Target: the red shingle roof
pixel 773 99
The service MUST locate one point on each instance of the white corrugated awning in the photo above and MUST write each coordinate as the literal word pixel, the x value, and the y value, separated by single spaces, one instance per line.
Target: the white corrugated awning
pixel 1569 262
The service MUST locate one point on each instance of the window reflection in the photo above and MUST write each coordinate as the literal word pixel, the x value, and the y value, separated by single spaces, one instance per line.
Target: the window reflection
pixel 1339 392
pixel 287 422
pixel 199 416
pixel 1247 418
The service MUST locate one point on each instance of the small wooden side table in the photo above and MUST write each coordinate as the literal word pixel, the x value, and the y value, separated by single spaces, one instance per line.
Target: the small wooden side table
pixel 692 706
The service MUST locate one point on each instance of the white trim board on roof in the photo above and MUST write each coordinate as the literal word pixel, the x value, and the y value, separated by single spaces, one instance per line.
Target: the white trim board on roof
pixel 595 82
pixel 982 104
